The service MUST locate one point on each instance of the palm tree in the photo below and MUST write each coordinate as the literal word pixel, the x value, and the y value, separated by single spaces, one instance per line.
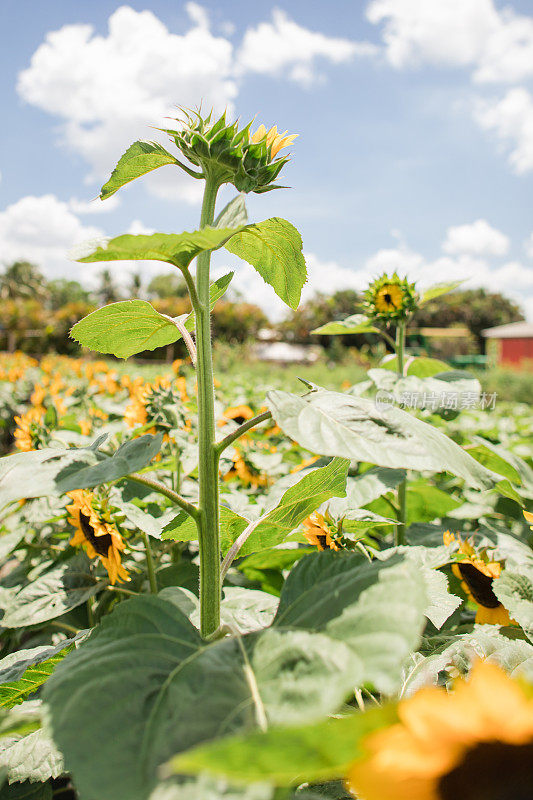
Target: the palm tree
pixel 23 280
pixel 108 291
pixel 136 284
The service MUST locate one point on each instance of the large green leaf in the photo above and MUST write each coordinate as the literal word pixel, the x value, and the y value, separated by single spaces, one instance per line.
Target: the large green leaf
pixel 287 756
pixel 167 690
pixel 56 471
pixel 377 608
pixel 140 158
pixel 296 504
pixel 133 326
pixel 33 757
pixel 26 790
pixel 53 594
pixel 178 249
pixel 357 323
pixel 426 502
pixel 273 527
pixel 335 424
pixel 22 672
pixel 274 249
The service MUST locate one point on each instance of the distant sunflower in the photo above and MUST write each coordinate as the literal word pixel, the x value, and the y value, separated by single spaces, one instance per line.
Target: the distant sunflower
pixel 237 414
pixel 477 576
pixel 390 298
pixel 99 537
pixel 318 532
pixel 246 472
pixel 474 743
pixel 31 433
pixel 158 403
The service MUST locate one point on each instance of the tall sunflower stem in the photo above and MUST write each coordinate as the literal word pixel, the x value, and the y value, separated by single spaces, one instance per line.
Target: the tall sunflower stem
pixel 208 455
pixel 399 531
pixel 150 566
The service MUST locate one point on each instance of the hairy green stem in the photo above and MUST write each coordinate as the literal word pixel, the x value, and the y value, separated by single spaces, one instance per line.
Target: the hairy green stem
pixel 208 455
pixel 399 533
pixel 149 563
pixel 164 490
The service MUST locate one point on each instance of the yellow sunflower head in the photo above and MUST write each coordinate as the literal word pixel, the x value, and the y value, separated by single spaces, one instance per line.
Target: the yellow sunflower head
pixel 232 155
pixel 245 471
pixel 96 533
pixel 474 743
pixel 237 414
pixel 31 432
pixel 477 574
pixel 320 531
pixel 390 298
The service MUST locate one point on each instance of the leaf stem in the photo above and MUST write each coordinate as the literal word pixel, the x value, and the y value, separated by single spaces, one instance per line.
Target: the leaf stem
pixel 149 563
pixel 164 490
pixel 251 423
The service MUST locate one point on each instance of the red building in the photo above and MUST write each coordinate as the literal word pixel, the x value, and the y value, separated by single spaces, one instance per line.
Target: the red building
pixel 511 345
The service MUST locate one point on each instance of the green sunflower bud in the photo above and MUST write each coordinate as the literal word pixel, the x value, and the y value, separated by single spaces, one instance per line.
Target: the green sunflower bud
pixel 246 160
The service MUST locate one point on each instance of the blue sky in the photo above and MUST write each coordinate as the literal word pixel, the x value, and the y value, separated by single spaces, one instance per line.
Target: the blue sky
pixel 415 119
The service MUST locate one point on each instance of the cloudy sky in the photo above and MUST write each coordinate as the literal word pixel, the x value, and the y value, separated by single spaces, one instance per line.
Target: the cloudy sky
pixel 415 122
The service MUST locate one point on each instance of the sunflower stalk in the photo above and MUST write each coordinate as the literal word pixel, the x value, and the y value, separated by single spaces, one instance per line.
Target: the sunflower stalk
pixel 208 455
pixel 150 563
pixel 399 532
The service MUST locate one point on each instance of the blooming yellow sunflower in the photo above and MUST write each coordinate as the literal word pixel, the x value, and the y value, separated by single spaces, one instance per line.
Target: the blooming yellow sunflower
pixel 31 432
pixel 318 532
pixel 477 575
pixel 474 743
pixel 99 537
pixel 390 298
pixel 246 472
pixel 529 518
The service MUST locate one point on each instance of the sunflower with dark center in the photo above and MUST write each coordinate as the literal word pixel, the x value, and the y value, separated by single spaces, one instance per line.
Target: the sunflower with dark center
pixel 321 532
pixel 99 536
pixel 477 575
pixel 390 298
pixel 246 472
pixel 237 414
pixel 474 743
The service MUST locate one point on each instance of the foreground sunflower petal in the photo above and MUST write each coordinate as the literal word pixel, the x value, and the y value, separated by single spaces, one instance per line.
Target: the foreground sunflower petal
pixel 475 743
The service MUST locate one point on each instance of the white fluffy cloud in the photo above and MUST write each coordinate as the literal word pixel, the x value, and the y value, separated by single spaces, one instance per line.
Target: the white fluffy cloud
pixel 511 120
pixel 105 89
pixel 496 45
pixel 478 238
pixel 284 48
pixel 42 230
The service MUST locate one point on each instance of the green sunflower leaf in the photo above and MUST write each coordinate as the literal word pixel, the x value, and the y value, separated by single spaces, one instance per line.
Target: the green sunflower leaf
pixel 130 327
pixel 139 159
pixel 26 790
pixel 56 471
pixel 178 249
pixel 357 323
pixel 335 424
pixel 438 290
pixel 22 672
pixel 274 249
pixel 287 756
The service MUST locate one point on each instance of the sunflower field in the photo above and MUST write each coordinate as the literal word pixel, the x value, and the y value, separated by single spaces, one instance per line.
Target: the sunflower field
pixel 217 589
